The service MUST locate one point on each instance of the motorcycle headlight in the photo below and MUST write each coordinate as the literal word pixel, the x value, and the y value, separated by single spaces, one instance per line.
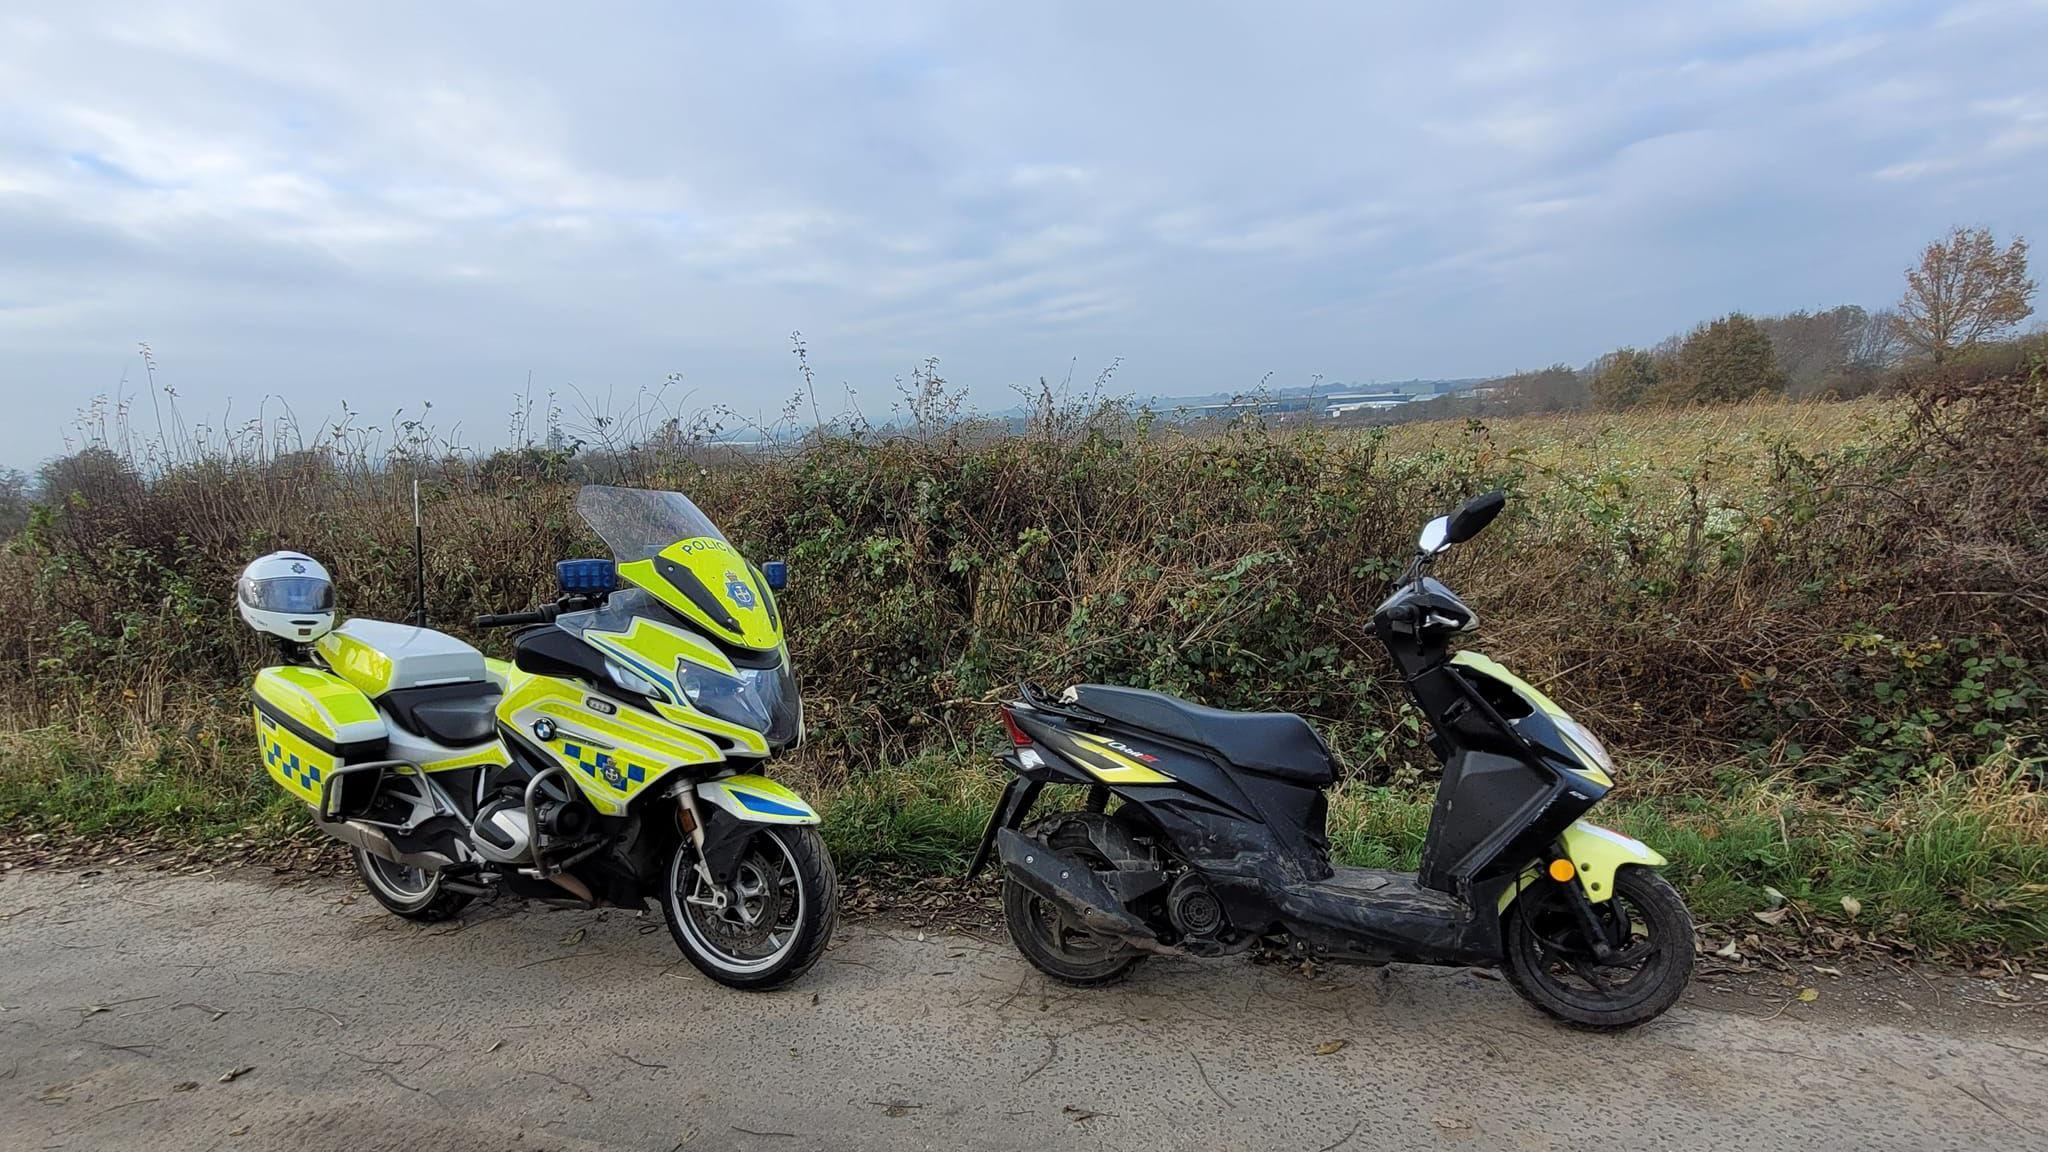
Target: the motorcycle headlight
pixel 763 699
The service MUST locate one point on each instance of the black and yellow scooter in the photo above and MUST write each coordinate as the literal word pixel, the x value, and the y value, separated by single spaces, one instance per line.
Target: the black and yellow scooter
pixel 1217 840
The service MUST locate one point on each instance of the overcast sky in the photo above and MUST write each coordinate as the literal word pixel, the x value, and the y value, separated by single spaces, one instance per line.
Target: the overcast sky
pixel 386 203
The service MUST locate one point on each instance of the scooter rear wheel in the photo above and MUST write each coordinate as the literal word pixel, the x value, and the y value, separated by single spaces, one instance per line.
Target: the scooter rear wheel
pixel 1552 965
pixel 1054 941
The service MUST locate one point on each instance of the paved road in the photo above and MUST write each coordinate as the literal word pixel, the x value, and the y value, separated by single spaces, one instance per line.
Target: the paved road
pixel 130 998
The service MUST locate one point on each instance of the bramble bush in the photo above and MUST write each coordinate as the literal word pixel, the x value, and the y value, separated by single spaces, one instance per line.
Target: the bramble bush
pixel 1862 616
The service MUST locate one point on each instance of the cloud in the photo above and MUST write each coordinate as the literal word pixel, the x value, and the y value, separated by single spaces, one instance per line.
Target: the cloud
pixel 393 201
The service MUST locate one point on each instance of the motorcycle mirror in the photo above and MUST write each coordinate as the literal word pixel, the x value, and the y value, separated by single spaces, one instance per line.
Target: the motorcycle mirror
pixel 1477 513
pixel 777 574
pixel 1436 536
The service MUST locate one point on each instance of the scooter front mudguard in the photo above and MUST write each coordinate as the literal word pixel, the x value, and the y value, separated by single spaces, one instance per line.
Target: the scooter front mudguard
pixel 1596 854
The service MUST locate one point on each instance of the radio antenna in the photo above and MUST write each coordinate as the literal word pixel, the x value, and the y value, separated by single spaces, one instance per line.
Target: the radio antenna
pixel 419 561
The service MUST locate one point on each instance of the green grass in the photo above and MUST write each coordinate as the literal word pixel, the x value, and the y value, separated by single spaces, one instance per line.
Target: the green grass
pixel 1959 866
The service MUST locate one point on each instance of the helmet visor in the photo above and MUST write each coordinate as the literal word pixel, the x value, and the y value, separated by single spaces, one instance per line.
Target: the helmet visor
pixel 289 594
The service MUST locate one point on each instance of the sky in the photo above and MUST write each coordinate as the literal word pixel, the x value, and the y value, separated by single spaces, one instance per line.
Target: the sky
pixel 298 207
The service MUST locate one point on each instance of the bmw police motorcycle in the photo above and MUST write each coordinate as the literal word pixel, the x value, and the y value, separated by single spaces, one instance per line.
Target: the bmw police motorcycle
pixel 1216 843
pixel 613 759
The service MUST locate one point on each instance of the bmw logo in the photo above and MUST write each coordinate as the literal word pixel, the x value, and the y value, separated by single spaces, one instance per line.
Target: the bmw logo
pixel 544 728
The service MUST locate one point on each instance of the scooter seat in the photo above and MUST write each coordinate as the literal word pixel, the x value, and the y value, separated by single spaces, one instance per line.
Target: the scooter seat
pixel 1278 744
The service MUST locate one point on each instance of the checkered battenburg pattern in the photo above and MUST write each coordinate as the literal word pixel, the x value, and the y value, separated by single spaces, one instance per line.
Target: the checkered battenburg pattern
pixel 288 763
pixel 600 766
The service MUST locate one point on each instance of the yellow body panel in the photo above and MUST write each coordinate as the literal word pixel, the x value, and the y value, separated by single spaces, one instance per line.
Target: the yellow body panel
pixel 742 598
pixel 1597 854
pixel 320 703
pixel 1101 758
pixel 758 799
pixel 612 758
pixel 491 755
pixel 356 662
pixel 652 650
pixel 295 764
pixel 319 700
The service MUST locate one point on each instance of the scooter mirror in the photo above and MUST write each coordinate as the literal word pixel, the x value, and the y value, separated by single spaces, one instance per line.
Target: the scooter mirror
pixel 1477 513
pixel 1436 536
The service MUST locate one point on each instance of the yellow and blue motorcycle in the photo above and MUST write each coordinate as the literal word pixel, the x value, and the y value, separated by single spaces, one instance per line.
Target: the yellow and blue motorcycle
pixel 613 759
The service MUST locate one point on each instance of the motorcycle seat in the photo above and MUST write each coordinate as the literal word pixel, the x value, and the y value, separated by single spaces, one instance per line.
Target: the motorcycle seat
pixel 453 714
pixel 1277 744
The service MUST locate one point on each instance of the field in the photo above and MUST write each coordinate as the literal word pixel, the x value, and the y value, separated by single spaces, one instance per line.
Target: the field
pixel 1816 635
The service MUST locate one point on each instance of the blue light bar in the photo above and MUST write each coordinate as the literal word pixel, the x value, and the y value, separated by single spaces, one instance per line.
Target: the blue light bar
pixel 776 573
pixel 586 575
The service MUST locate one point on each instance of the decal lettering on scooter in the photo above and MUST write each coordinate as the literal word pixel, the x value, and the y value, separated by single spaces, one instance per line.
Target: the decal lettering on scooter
pixel 1127 750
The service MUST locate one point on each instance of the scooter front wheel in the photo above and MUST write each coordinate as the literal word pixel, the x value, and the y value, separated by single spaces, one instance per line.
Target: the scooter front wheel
pixel 1552 964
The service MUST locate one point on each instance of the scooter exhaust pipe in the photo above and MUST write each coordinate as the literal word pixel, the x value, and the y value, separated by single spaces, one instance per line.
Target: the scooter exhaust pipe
pixel 1064 879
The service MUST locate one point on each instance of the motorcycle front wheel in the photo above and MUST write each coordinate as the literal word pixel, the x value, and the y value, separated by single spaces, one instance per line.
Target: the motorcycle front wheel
pixel 1553 965
pixel 771 924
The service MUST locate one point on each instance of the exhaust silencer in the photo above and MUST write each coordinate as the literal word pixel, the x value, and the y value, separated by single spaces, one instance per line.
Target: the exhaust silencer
pixel 377 844
pixel 1067 881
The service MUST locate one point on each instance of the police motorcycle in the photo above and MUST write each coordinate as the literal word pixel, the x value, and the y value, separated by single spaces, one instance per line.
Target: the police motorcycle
pixel 1216 843
pixel 614 759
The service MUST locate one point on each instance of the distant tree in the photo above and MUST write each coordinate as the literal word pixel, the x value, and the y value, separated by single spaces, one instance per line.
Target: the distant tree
pixel 1554 389
pixel 1623 378
pixel 1815 348
pixel 1728 359
pixel 1963 292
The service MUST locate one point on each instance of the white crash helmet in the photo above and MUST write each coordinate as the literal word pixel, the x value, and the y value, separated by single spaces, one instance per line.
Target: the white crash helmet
pixel 288 595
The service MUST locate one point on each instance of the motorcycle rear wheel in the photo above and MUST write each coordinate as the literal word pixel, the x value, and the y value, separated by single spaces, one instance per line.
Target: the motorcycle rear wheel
pixel 1551 965
pixel 412 893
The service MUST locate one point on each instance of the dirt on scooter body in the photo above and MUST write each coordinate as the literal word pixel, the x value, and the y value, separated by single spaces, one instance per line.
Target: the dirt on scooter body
pixel 1216 842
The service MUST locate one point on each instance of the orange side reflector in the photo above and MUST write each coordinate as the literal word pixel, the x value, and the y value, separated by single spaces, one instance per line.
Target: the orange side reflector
pixel 1561 870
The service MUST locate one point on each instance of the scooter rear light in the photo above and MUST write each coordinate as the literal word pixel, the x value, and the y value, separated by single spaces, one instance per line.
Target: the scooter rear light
pixel 1017 735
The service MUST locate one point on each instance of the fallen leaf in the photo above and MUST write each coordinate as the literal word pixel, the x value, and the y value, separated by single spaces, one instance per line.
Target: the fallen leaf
pixel 242 1131
pixel 1330 1047
pixel 185 1086
pixel 235 1073
pixel 1808 995
pixel 2041 976
pixel 1773 895
pixel 1078 1115
pixel 1852 906
pixel 1826 971
pixel 495 1045
pixel 1728 952
pixel 575 937
pixel 1774 917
